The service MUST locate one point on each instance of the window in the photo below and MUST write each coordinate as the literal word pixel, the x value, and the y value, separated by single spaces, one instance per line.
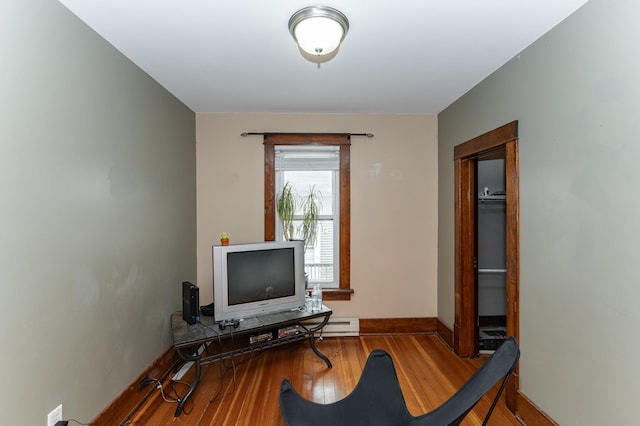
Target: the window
pixel 323 161
pixel 314 167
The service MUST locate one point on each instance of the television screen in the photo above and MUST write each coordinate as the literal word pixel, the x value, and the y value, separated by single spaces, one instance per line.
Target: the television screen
pixel 260 275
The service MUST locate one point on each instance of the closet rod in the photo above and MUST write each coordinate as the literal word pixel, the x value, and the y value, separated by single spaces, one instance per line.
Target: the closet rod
pixel 492 271
pixel 483 200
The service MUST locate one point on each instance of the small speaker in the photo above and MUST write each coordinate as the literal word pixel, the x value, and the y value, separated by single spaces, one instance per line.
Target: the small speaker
pixel 190 302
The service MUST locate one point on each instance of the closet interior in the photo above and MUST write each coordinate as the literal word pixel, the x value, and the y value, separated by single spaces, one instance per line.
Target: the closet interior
pixel 491 261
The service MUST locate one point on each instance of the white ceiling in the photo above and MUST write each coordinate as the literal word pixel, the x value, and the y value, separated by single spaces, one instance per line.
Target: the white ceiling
pixel 407 57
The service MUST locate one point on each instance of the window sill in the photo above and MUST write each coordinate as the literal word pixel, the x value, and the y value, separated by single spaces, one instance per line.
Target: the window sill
pixel 336 294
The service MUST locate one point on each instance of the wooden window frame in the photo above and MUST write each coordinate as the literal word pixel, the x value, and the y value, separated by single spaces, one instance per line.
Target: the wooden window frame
pixel 344 291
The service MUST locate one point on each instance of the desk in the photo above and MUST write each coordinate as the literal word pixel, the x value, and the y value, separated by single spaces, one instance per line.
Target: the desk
pixel 204 342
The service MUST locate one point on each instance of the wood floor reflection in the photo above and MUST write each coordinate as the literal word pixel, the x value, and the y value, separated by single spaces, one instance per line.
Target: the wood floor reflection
pixel 246 393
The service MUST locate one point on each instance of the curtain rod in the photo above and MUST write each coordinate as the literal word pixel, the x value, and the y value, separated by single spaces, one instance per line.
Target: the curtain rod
pixel 244 134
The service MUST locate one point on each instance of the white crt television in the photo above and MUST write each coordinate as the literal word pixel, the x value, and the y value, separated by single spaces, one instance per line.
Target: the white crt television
pixel 258 278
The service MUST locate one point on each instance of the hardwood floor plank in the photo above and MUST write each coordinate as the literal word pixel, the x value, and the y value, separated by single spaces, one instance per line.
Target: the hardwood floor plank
pixel 427 370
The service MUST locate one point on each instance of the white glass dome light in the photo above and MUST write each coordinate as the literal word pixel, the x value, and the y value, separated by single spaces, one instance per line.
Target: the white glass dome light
pixel 319 36
pixel 318 30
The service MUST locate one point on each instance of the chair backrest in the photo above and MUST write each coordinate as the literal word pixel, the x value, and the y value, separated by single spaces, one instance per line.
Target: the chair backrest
pixel 376 399
pixel 499 366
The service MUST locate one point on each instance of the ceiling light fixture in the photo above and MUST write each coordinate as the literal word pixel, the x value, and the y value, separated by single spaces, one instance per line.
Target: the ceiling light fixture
pixel 318 30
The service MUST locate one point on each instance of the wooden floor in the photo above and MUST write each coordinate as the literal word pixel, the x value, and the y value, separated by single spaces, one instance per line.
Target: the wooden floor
pixel 248 394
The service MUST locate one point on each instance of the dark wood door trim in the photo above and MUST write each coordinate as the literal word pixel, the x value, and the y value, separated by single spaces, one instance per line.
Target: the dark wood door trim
pixel 464 328
pixel 512 171
pixel 498 143
pixel 485 143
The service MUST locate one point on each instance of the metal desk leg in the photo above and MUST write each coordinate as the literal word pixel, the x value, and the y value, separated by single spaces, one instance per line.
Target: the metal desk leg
pixel 312 340
pixel 196 380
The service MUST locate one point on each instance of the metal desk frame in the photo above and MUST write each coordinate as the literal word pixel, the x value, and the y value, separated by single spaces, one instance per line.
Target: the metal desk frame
pixel 188 339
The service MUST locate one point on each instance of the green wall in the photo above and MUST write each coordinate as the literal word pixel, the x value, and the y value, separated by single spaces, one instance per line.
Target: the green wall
pixel 575 93
pixel 97 214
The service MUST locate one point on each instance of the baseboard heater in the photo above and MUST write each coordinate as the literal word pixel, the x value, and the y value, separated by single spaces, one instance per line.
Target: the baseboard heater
pixel 338 327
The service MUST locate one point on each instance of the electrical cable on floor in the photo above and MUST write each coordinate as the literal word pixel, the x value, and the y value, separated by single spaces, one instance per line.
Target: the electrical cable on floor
pixel 233 366
pixel 66 422
pixel 80 423
pixel 164 397
pixel 222 364
pixel 178 397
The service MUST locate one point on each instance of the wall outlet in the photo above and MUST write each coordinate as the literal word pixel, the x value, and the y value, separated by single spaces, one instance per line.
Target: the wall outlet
pixel 54 416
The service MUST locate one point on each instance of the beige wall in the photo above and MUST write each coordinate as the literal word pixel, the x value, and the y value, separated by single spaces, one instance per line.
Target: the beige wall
pixel 393 202
pixel 575 93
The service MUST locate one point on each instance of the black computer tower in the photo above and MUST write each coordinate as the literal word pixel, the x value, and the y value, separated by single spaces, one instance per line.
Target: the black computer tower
pixel 190 302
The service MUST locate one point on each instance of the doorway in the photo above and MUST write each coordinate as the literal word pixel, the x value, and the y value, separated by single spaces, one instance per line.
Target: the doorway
pixel 491 253
pixel 500 143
